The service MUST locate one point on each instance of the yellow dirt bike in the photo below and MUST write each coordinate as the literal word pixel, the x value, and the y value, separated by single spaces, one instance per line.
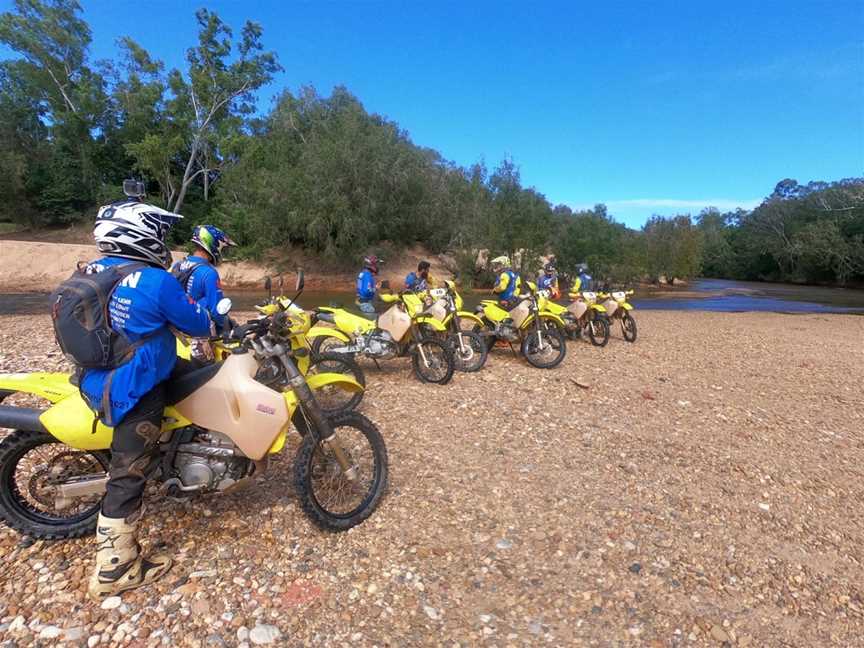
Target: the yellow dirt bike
pixel 528 322
pixel 222 425
pixel 584 314
pixel 331 398
pixel 620 309
pixel 445 305
pixel 399 331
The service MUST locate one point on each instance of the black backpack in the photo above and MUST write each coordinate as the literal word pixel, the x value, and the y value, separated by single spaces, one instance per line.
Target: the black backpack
pixel 82 321
pixel 182 276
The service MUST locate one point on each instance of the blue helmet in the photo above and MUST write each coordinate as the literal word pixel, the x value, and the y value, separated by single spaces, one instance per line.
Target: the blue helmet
pixel 212 240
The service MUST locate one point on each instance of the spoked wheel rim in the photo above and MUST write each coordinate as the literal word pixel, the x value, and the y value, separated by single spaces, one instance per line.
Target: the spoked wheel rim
pixel 628 328
pixel 469 355
pixel 544 349
pixel 33 476
pixel 433 361
pixel 334 493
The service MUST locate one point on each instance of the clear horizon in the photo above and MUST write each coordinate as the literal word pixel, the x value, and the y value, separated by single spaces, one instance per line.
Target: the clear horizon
pixel 650 110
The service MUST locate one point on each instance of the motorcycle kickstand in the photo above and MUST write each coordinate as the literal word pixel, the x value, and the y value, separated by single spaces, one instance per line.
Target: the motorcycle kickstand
pixel 377 366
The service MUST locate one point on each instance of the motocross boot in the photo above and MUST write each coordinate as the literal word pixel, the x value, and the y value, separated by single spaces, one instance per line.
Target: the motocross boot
pixel 119 564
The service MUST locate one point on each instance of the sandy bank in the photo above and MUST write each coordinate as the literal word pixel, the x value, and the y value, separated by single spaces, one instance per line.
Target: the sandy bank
pixel 39 266
pixel 705 489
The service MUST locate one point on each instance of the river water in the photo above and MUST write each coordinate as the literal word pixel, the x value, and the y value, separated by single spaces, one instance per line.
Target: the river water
pixel 702 294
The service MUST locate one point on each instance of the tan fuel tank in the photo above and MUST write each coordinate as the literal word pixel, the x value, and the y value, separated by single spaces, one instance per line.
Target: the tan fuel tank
pixel 234 403
pixel 519 313
pixel 395 321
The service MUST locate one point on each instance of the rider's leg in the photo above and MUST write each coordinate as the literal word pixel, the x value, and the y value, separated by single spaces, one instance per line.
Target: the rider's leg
pixel 119 564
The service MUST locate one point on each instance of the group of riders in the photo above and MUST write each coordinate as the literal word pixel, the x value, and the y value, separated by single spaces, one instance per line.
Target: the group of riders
pixel 507 288
pixel 152 297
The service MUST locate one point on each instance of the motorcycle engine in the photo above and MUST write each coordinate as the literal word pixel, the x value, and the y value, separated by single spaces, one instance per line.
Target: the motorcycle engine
pixel 381 345
pixel 507 331
pixel 208 463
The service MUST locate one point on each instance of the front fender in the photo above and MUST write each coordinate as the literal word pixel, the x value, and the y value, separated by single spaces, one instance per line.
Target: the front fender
pixel 324 331
pixel 598 307
pixel 470 316
pixel 626 306
pixel 53 387
pixel 435 324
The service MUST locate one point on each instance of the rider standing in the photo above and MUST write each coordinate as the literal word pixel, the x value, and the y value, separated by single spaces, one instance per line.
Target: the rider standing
pixel 366 286
pixel 420 280
pixel 508 284
pixel 131 398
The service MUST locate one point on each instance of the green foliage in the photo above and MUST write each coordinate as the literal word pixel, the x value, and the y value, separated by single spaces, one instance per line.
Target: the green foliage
pixel 324 174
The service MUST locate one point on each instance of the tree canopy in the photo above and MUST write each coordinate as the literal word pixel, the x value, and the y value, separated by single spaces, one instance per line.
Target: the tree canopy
pixel 323 173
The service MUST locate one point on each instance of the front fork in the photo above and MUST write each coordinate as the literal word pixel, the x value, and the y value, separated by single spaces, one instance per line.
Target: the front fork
pixel 320 427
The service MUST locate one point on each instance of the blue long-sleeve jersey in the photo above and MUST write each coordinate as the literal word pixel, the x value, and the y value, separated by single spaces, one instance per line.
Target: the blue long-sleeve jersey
pixel 143 306
pixel 203 285
pixel 365 286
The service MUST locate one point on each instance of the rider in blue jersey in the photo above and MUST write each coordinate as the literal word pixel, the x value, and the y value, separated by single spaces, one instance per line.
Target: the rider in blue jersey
pixel 366 287
pixel 197 273
pixel 132 397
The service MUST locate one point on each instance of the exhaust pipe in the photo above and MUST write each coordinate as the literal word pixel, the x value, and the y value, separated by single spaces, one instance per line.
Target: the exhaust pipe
pixel 21 418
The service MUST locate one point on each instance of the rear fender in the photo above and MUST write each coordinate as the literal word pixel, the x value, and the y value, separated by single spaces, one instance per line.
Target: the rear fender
pixel 52 387
pixel 71 422
pixel 435 324
pixel 470 316
pixel 324 331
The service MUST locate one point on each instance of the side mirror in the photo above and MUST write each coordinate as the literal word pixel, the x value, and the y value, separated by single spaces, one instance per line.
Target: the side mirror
pixel 224 306
pixel 301 280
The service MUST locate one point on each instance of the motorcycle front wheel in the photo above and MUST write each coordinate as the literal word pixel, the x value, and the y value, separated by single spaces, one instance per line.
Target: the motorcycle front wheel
pixel 470 352
pixel 628 327
pixel 433 361
pixel 545 348
pixel 598 330
pixel 330 499
pixel 32 464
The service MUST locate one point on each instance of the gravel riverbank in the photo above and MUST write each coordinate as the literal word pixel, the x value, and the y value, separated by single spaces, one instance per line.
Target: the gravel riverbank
pixel 704 486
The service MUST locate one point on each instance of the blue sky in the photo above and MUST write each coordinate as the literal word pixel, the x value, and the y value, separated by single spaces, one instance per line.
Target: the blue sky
pixel 649 107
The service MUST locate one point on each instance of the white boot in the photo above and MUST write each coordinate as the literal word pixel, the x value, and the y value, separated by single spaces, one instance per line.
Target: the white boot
pixel 119 565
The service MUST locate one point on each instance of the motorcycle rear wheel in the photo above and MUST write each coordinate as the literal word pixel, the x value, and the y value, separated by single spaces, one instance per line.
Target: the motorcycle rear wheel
pixel 326 344
pixel 546 352
pixel 440 366
pixel 24 498
pixel 323 488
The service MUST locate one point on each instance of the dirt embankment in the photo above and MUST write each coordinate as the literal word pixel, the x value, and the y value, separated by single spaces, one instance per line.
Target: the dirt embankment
pixel 38 266
pixel 702 487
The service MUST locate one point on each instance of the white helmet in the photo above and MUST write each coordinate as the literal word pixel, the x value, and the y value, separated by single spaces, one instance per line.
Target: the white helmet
pixel 135 230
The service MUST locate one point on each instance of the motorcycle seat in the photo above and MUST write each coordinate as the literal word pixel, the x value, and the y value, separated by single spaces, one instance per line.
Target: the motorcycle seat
pixel 185 385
